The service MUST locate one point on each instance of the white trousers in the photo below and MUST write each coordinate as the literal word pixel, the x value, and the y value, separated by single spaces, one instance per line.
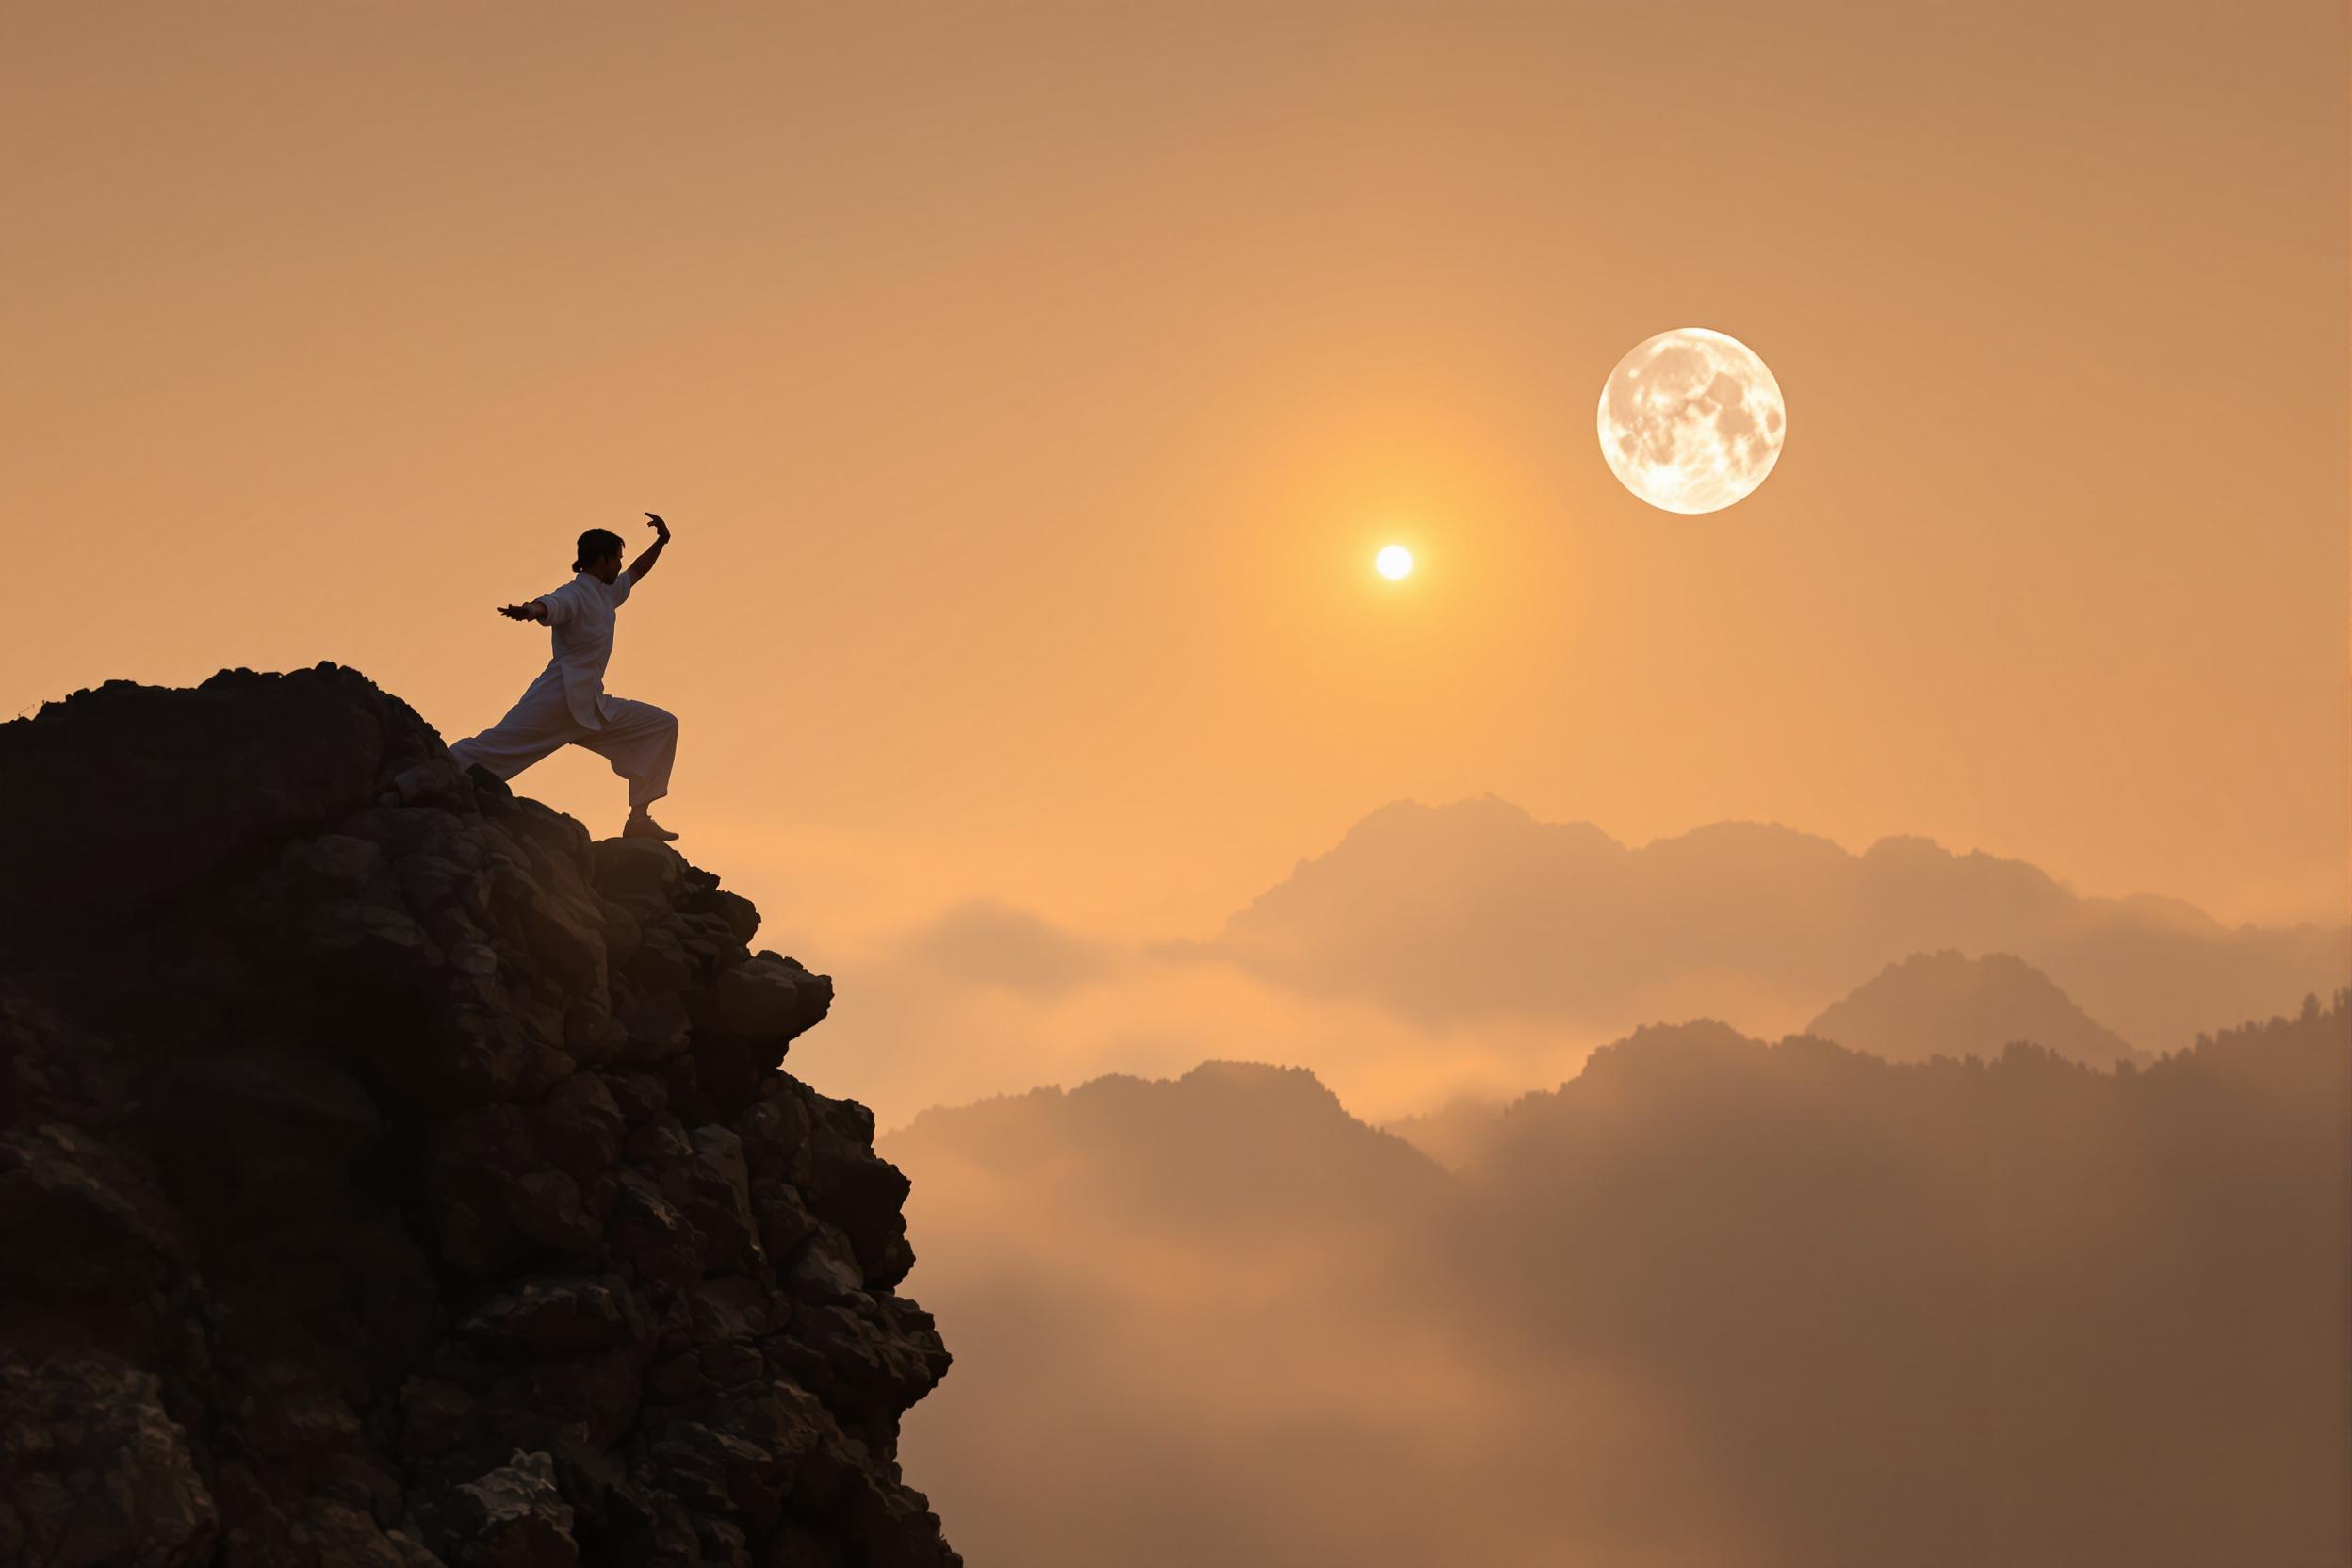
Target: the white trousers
pixel 638 739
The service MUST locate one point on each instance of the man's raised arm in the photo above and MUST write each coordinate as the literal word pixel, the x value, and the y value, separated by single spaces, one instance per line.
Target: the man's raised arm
pixel 644 564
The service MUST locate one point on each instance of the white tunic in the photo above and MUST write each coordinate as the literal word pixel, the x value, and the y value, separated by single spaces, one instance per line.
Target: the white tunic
pixel 580 623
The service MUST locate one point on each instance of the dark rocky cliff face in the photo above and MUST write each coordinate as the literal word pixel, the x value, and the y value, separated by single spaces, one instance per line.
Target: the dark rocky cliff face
pixel 390 1174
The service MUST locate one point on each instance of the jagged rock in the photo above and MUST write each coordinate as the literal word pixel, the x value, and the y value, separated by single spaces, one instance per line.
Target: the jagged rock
pixel 849 1184
pixel 78 1222
pixel 748 1017
pixel 624 934
pixel 582 1126
pixel 93 1471
pixel 180 785
pixel 639 868
pixel 556 1318
pixel 244 1131
pixel 390 1174
pixel 650 1238
pixel 720 1206
pixel 655 1028
pixel 772 997
pixel 741 917
pixel 826 1271
pixel 512 1517
pixel 662 966
pixel 49 1070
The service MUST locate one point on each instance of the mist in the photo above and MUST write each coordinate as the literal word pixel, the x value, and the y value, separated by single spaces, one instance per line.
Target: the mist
pixel 1712 1300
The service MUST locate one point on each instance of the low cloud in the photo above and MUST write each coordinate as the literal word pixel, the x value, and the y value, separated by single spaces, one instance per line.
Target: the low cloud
pixel 987 943
pixel 1714 1301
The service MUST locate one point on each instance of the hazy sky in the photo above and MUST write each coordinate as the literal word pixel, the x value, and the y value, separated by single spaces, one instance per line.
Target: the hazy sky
pixel 1030 388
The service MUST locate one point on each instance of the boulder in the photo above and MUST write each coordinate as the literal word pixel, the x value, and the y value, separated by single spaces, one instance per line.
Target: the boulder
pixel 512 1518
pixel 93 1470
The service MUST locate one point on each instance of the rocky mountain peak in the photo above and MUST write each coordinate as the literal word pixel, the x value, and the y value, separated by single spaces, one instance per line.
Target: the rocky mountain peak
pixel 390 1173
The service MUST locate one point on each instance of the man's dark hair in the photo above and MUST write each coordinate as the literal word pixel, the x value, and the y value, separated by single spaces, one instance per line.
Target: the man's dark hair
pixel 595 545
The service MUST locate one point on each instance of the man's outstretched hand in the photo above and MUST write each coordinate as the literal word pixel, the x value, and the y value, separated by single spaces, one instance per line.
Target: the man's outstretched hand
pixel 520 611
pixel 642 565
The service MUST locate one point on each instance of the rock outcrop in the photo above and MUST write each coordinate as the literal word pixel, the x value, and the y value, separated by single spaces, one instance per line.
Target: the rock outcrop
pixel 390 1174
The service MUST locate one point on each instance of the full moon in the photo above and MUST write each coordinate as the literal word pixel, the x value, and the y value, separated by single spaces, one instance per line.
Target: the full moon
pixel 1692 421
pixel 1392 562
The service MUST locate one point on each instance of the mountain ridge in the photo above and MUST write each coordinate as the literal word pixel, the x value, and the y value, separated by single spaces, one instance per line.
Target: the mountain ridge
pixel 1451 914
pixel 1951 1005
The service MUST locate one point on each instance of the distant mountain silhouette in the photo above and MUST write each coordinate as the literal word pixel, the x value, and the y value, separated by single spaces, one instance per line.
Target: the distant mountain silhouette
pixel 1234 1143
pixel 1711 1300
pixel 1949 1004
pixel 1982 1311
pixel 1455 913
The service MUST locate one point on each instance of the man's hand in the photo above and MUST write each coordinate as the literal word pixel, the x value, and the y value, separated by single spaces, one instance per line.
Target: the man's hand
pixel 642 568
pixel 521 612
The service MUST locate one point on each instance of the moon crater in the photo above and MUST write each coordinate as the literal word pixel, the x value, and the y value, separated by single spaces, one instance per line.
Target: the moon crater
pixel 1692 421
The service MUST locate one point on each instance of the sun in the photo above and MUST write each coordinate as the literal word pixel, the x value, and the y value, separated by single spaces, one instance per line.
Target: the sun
pixel 1393 563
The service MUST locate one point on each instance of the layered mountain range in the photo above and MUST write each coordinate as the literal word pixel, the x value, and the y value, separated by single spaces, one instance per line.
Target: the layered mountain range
pixel 1715 1299
pixel 1474 911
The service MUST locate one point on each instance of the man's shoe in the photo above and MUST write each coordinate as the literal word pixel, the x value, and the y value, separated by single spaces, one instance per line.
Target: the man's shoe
pixel 643 827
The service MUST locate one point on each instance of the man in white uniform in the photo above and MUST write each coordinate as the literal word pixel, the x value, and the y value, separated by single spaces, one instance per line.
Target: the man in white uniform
pixel 567 705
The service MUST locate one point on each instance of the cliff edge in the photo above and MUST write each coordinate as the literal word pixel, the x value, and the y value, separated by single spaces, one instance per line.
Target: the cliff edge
pixel 390 1174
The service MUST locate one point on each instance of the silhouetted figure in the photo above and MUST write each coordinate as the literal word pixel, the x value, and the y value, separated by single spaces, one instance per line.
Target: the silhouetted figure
pixel 567 705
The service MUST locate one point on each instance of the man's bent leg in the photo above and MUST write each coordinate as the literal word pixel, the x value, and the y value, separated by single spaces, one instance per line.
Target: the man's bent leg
pixel 513 743
pixel 641 743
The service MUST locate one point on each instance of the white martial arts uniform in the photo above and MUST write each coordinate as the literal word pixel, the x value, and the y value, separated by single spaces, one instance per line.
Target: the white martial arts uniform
pixel 567 706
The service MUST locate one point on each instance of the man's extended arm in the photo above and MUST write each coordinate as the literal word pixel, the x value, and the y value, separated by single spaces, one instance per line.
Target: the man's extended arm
pixel 644 564
pixel 535 611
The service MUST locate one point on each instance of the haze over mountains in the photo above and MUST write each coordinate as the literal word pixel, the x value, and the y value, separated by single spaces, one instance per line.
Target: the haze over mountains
pixel 1710 1301
pixel 1436 951
pixel 1472 910
pixel 1931 1004
pixel 1186 1293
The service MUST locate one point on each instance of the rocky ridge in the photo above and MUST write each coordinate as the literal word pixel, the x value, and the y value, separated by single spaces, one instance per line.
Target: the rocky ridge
pixel 391 1174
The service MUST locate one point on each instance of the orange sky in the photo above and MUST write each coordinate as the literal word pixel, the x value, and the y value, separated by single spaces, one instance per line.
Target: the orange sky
pixel 1030 391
